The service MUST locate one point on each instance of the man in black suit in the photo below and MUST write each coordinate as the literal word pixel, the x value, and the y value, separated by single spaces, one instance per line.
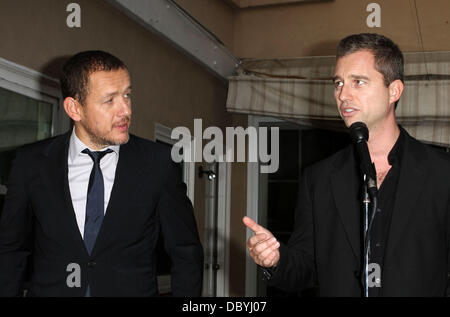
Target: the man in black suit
pixel 410 236
pixel 94 200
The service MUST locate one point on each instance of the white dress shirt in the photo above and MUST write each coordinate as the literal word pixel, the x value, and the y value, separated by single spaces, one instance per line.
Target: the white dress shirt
pixel 80 167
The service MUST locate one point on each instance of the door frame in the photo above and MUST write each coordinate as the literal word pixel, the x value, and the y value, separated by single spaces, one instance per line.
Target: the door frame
pixel 257 188
pixel 163 133
pixel 221 201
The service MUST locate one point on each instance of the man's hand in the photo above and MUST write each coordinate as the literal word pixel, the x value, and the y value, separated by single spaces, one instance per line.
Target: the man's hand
pixel 263 246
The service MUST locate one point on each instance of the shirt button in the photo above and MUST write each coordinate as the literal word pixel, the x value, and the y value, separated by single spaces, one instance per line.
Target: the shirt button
pixel 378 210
pixel 91 264
pixel 378 245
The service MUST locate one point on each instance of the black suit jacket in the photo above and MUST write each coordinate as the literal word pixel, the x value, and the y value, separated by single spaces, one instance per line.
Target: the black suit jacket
pixel 148 196
pixel 325 248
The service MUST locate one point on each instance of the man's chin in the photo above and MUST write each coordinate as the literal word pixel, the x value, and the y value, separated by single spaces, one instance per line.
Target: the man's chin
pixel 118 140
pixel 122 140
pixel 349 121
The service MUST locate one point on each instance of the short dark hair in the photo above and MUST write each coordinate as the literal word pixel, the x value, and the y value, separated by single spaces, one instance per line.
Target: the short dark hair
pixel 76 72
pixel 388 57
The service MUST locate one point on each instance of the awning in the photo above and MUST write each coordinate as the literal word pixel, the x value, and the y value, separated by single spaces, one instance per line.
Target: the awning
pixel 301 90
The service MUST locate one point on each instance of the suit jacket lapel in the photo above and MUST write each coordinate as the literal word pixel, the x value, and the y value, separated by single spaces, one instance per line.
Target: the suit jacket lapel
pixel 345 197
pixel 55 174
pixel 409 188
pixel 412 176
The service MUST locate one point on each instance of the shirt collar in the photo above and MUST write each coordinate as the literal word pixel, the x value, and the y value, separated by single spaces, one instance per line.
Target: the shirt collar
pixel 76 146
pixel 396 153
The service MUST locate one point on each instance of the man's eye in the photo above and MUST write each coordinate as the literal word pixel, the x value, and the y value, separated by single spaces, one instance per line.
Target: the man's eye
pixel 338 84
pixel 109 101
pixel 128 96
pixel 360 82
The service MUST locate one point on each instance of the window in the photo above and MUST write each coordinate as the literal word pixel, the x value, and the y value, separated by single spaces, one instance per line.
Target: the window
pixel 22 120
pixel 29 112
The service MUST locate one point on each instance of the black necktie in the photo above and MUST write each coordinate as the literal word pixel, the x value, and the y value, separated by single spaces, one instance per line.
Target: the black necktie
pixel 95 202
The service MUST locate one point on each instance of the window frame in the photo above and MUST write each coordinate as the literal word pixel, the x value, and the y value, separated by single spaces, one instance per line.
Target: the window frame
pixel 30 83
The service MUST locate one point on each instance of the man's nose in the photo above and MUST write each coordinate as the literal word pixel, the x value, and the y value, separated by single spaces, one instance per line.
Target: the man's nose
pixel 345 93
pixel 125 108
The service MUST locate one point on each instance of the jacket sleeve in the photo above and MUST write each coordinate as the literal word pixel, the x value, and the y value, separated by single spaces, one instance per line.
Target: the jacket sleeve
pixel 15 229
pixel 296 268
pixel 181 237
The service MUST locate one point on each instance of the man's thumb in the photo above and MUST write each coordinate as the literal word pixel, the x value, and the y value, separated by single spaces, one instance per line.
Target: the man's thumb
pixel 252 225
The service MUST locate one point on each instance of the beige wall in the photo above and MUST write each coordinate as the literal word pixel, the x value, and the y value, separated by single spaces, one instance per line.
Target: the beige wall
pixel 215 15
pixel 259 3
pixel 168 87
pixel 314 28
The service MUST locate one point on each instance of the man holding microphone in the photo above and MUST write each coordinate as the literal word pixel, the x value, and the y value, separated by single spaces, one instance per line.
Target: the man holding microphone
pixel 410 234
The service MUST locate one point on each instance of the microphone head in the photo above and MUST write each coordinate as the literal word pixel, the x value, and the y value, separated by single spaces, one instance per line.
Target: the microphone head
pixel 359 132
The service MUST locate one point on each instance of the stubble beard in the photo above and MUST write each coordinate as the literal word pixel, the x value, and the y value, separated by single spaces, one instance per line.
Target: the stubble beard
pixel 102 141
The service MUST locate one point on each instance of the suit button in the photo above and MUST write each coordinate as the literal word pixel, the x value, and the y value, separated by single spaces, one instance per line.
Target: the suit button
pixel 91 264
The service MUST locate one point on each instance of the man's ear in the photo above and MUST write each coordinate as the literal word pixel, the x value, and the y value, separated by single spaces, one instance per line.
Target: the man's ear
pixel 395 90
pixel 73 108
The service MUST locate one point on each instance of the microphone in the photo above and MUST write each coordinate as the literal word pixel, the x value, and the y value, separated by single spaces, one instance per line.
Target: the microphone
pixel 359 135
